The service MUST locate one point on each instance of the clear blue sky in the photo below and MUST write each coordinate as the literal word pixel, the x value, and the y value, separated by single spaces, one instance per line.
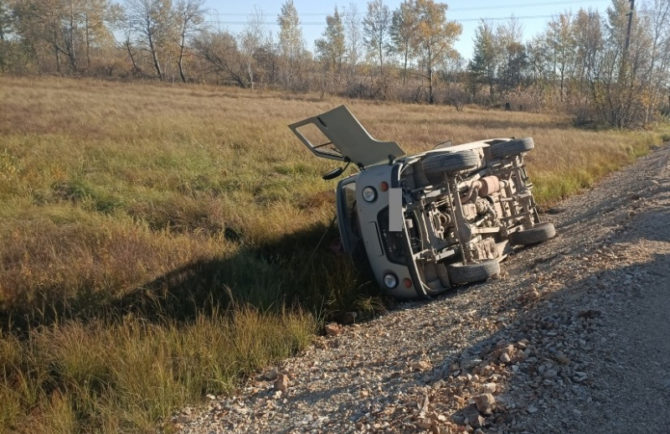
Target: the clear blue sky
pixel 533 15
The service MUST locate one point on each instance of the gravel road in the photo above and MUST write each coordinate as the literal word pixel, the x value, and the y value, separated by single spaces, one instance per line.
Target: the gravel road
pixel 574 336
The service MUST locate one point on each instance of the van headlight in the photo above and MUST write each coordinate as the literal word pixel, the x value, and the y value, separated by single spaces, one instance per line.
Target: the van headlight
pixel 390 280
pixel 369 194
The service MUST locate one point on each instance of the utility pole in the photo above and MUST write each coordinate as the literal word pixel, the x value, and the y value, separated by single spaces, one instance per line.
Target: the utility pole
pixel 630 23
pixel 624 54
pixel 623 106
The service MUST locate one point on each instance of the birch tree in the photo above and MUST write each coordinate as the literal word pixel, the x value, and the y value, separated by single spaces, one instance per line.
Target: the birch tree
pixel 188 15
pixel 152 21
pixel 291 45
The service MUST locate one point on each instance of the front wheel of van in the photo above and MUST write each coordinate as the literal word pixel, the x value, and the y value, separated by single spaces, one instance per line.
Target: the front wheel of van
pixel 460 273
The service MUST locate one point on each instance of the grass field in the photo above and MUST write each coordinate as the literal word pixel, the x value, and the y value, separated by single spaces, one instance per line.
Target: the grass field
pixel 162 242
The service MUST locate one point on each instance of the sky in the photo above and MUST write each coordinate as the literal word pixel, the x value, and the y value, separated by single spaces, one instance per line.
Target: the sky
pixel 532 15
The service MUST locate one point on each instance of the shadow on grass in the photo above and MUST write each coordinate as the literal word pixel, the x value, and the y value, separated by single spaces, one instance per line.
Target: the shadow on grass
pixel 305 269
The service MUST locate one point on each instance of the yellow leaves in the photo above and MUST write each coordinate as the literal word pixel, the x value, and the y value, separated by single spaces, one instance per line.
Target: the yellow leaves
pixel 434 35
pixel 453 28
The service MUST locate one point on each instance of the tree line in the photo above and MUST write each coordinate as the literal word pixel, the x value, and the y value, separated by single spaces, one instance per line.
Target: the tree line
pixel 612 69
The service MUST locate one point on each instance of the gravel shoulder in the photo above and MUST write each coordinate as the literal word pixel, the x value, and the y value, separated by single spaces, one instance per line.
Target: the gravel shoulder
pixel 573 337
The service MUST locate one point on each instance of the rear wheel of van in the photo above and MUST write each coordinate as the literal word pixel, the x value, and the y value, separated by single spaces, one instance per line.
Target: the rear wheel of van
pixel 512 147
pixel 435 167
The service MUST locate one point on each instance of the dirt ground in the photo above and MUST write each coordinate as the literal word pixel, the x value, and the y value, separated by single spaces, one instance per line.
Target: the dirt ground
pixel 573 337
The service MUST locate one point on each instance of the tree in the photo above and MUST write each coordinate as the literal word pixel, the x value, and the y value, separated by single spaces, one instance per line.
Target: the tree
pixel 376 29
pixel 588 41
pixel 153 21
pixel 188 15
pixel 538 59
pixel 403 27
pixel 38 23
pixel 5 29
pixel 290 41
pixel 352 27
pixel 69 20
pixel 561 45
pixel 484 61
pixel 331 48
pixel 62 28
pixel 434 37
pixel 97 15
pixel 625 91
pixel 5 20
pixel 220 51
pixel 513 54
pixel 658 73
pixel 251 40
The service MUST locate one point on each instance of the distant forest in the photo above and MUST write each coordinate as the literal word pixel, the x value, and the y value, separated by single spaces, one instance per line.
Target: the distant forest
pixel 605 70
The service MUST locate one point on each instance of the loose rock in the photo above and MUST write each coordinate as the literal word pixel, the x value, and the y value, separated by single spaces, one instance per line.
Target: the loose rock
pixel 485 403
pixel 333 329
pixel 282 383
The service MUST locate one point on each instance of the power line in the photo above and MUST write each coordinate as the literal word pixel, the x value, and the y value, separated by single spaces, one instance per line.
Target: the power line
pixel 520 5
pixel 319 23
pixel 476 8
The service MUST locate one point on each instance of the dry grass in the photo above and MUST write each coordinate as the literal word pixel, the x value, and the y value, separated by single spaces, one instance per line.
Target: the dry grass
pixel 134 213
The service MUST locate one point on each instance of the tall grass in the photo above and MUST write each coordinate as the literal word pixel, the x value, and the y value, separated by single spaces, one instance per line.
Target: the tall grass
pixel 162 242
pixel 126 375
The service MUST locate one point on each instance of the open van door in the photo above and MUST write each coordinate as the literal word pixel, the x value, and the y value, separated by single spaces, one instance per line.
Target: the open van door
pixel 347 141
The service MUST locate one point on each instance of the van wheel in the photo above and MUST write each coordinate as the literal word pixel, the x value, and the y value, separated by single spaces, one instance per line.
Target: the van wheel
pixel 436 166
pixel 460 273
pixel 537 234
pixel 512 147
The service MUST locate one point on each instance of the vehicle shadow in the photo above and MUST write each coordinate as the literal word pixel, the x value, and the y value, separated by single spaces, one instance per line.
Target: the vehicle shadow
pixel 546 329
pixel 305 269
pixel 557 332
